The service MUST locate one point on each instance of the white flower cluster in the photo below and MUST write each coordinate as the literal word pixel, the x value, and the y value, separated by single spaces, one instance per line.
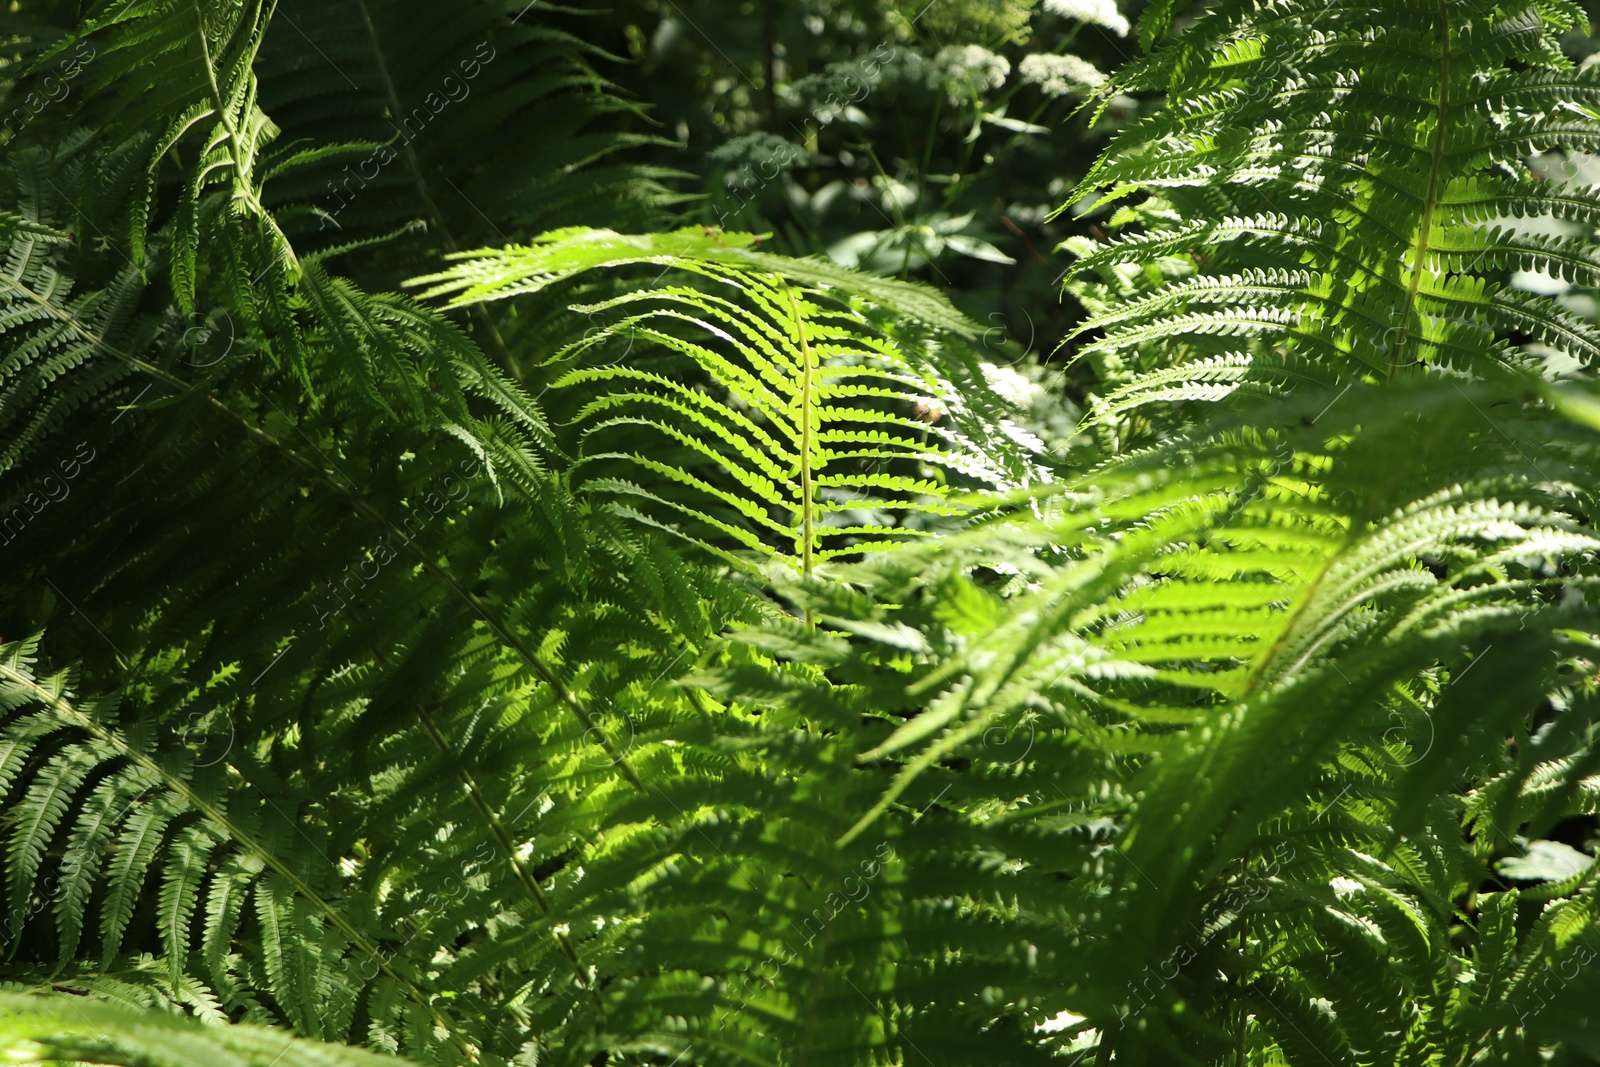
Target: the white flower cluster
pixel 967 69
pixel 1100 12
pixel 1012 387
pixel 905 67
pixel 1060 75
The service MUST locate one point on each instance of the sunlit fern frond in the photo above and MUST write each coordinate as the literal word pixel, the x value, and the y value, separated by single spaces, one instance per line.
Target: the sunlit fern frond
pixel 764 400
pixel 68 1029
pixel 1352 195
pixel 1232 681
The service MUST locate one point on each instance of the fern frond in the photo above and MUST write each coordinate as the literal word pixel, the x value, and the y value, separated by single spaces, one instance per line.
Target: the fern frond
pixel 66 1028
pixel 1304 138
pixel 822 412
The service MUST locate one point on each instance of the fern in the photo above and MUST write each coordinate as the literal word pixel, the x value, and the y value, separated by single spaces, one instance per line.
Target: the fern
pixel 480 122
pixel 1218 639
pixel 61 1028
pixel 687 657
pixel 826 421
pixel 1303 148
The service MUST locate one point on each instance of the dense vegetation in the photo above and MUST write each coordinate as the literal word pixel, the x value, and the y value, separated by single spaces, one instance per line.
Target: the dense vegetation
pixel 823 532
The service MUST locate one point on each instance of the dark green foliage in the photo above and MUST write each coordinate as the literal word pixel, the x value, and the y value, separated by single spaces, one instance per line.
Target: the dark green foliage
pixel 482 120
pixel 520 629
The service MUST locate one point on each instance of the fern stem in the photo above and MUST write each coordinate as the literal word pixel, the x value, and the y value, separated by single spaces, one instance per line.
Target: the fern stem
pixel 1253 679
pixel 807 509
pixel 235 139
pixel 1423 243
pixel 498 831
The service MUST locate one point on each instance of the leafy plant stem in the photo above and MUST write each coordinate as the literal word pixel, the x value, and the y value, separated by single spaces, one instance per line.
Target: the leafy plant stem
pixel 1419 252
